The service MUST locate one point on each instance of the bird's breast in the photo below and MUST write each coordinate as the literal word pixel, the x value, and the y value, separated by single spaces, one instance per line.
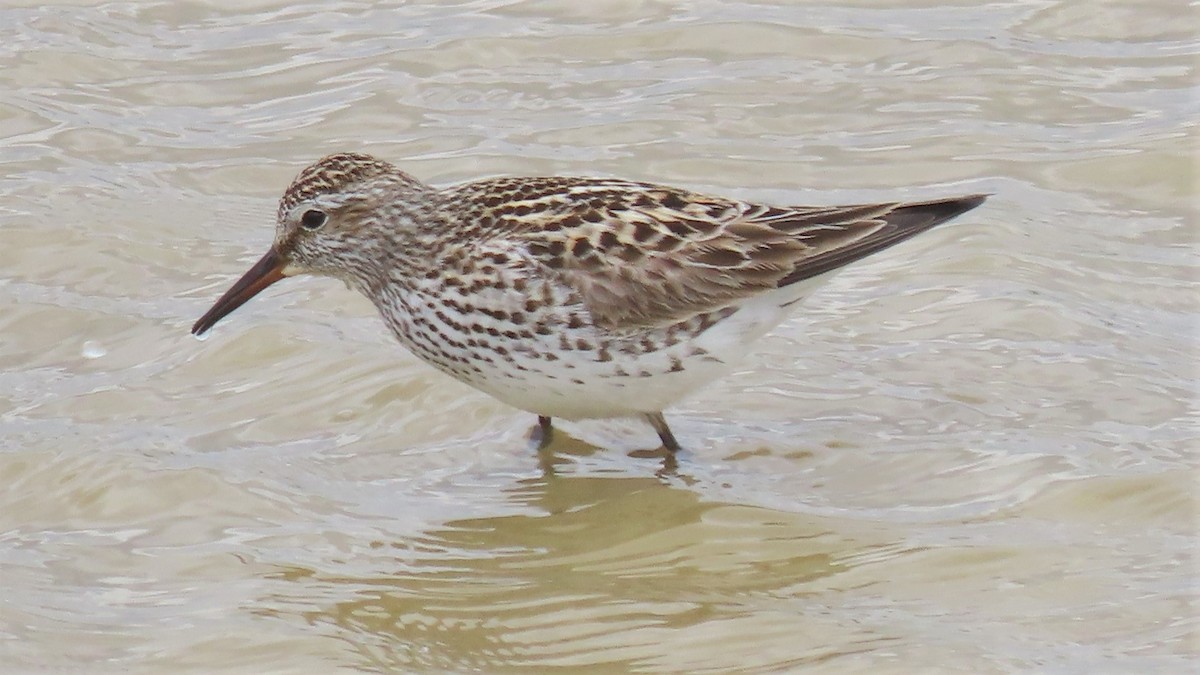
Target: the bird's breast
pixel 545 355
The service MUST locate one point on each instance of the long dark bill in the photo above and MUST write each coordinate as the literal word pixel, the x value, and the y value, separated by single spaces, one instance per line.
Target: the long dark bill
pixel 265 272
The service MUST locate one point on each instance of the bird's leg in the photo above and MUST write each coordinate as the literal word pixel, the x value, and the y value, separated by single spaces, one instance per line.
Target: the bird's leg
pixel 664 432
pixel 542 432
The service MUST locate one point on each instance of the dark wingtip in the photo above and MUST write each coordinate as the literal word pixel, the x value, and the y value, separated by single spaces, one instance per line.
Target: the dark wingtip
pixel 968 202
pixel 903 220
pixel 923 215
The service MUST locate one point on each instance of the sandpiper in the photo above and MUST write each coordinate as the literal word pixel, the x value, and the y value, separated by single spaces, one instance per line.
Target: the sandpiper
pixel 568 297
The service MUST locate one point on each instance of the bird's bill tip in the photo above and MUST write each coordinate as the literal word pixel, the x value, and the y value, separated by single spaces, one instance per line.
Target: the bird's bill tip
pixel 268 270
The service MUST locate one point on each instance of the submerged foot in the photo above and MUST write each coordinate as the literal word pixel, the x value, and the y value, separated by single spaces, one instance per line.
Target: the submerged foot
pixel 542 433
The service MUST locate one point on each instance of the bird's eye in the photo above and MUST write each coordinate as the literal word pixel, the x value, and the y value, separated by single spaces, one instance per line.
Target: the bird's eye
pixel 313 219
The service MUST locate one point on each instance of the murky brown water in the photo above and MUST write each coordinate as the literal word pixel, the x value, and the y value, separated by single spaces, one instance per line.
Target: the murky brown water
pixel 976 452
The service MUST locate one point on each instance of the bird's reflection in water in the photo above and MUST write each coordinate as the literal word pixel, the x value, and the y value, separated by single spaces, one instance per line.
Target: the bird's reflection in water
pixel 579 562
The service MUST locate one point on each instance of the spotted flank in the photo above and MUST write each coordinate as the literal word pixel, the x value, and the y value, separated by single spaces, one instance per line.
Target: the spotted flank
pixel 565 296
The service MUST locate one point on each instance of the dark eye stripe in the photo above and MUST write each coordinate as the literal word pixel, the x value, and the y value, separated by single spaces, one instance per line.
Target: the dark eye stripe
pixel 313 219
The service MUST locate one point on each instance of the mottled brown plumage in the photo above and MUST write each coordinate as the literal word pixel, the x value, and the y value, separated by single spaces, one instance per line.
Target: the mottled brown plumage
pixel 576 297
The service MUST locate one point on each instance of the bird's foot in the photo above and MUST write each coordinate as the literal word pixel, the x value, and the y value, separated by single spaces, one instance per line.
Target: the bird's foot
pixel 542 434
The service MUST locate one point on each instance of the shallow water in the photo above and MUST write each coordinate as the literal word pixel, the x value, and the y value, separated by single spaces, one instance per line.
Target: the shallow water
pixel 975 452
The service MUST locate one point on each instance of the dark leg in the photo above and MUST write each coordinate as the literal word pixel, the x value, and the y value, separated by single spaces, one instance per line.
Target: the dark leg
pixel 664 432
pixel 542 432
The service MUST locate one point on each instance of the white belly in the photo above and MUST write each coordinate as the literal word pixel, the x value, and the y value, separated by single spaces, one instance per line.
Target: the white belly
pixel 581 372
pixel 586 389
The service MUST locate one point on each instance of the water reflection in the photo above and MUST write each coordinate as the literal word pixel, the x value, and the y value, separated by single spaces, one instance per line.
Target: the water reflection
pixel 595 573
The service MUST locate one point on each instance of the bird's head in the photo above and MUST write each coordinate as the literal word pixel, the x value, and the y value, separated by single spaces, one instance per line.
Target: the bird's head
pixel 337 218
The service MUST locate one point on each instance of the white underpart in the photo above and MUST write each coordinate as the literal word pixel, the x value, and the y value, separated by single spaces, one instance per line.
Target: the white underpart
pixel 577 386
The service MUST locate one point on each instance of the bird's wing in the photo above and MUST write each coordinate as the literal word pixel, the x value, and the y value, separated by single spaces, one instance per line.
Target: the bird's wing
pixel 642 255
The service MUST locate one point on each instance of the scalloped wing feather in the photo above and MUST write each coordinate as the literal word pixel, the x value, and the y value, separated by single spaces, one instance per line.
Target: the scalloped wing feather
pixel 641 255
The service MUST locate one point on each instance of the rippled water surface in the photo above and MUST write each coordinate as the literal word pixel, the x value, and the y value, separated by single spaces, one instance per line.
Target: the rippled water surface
pixel 974 452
